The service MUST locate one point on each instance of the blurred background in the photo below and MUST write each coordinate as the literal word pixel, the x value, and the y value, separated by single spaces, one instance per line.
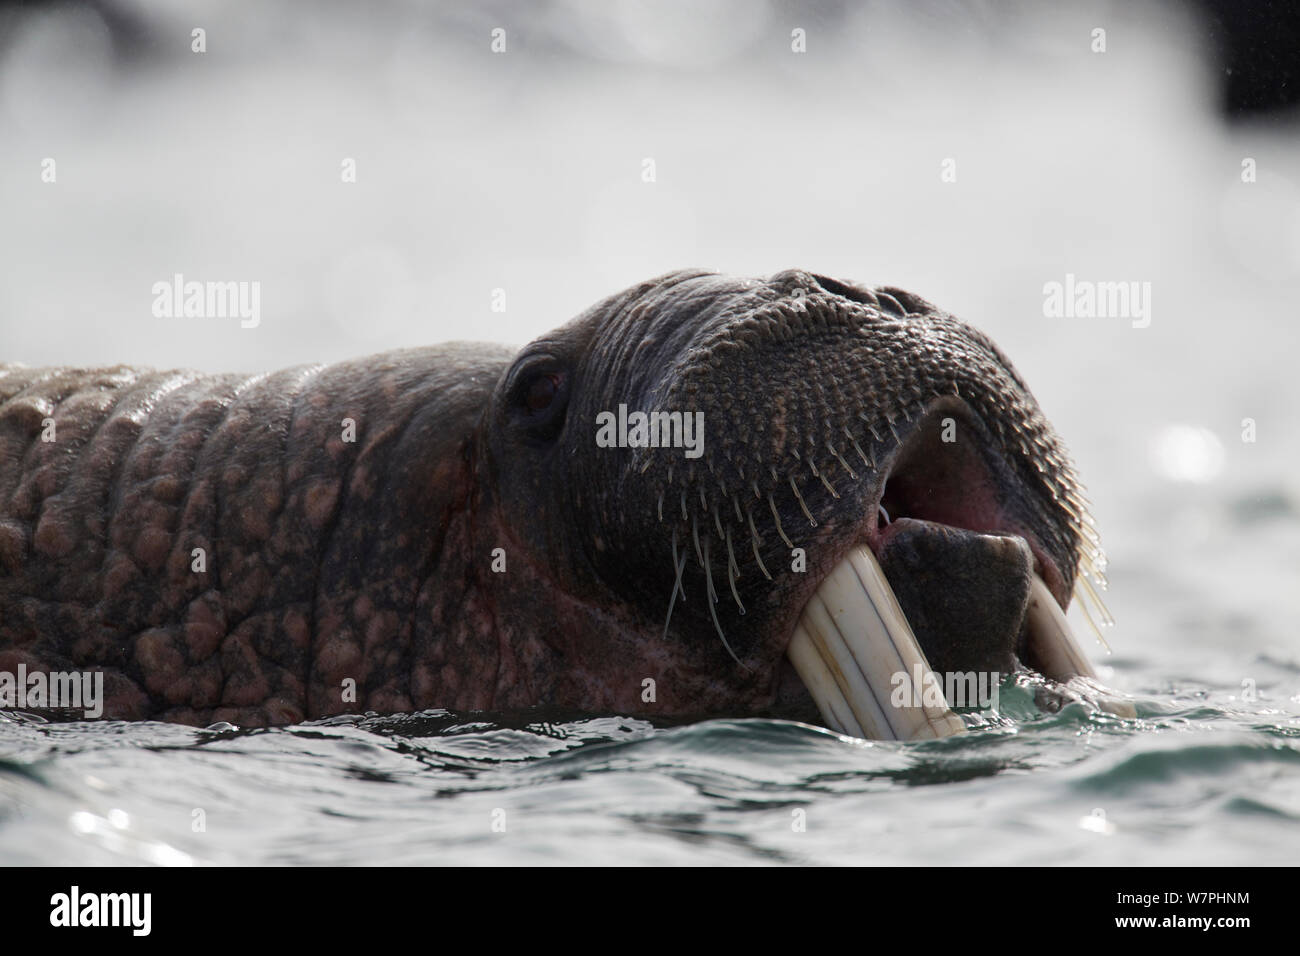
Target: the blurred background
pixel 969 151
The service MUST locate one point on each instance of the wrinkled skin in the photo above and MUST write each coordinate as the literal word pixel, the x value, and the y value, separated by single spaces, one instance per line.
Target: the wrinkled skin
pixel 372 560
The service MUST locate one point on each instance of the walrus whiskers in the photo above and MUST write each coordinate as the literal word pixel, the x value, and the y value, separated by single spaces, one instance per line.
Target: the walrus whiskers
pixel 1083 606
pixel 858 448
pixel 712 599
pixel 755 542
pixel 733 572
pixel 852 474
pixel 777 515
pixel 1104 614
pixel 808 514
pixel 679 566
pixel 1087 566
pixel 817 474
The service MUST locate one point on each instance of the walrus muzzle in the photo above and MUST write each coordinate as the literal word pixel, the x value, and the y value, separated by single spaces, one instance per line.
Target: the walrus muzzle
pixel 879 644
pixel 880 501
pixel 855 646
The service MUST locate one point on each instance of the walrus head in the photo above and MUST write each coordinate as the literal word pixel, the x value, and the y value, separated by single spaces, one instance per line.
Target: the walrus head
pixel 736 481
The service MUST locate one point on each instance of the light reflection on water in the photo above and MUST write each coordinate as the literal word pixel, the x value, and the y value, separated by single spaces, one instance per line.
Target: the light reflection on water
pixel 1197 776
pixel 523 172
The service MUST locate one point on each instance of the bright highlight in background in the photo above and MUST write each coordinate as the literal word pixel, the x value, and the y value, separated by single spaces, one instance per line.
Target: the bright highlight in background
pixel 1187 453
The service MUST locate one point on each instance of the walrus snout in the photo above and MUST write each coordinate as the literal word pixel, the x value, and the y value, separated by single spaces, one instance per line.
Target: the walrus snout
pixel 823 402
pixel 931 606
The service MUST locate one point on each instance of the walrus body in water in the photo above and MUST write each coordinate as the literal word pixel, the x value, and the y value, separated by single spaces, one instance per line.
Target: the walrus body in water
pixel 705 496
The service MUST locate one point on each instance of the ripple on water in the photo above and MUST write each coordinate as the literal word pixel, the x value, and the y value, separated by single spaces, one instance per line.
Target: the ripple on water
pixel 443 787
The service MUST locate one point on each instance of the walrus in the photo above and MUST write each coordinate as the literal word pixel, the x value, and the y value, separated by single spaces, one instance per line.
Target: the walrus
pixel 704 496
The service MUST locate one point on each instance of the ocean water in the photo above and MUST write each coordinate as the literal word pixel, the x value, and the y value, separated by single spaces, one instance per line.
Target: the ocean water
pixel 523 172
pixel 1196 778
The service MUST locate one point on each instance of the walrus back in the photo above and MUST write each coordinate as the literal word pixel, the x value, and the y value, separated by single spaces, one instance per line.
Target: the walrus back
pixel 175 529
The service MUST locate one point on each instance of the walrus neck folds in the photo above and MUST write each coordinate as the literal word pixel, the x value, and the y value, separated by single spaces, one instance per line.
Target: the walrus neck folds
pixel 706 495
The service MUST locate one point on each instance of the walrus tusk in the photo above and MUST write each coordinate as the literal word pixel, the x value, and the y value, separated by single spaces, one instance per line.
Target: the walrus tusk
pixel 1053 650
pixel 851 641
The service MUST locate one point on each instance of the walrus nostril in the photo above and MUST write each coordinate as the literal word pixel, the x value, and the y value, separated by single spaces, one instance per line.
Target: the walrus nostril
pixel 877 298
pixel 854 293
pixel 889 304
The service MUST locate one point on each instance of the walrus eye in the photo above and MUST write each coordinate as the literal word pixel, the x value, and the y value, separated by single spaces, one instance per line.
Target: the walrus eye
pixel 542 392
pixel 539 396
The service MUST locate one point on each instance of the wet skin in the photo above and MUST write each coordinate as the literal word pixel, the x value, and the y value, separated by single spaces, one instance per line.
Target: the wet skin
pixel 220 549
